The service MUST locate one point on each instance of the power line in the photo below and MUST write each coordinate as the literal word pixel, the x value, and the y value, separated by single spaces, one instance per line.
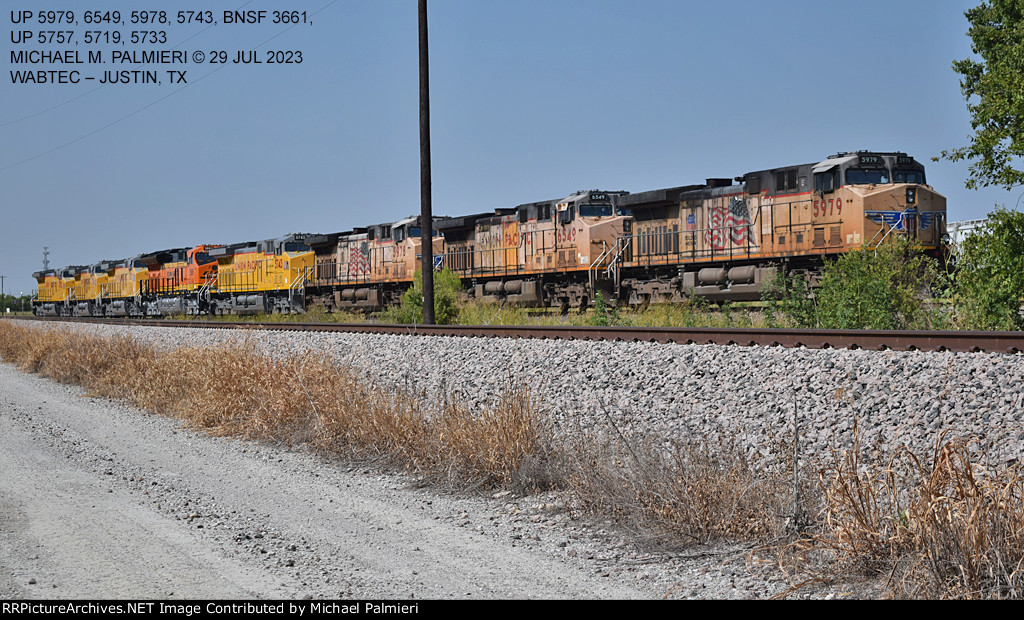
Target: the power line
pixel 108 125
pixel 25 118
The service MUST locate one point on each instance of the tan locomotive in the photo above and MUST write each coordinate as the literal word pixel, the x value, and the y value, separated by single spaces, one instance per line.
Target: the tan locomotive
pixel 723 239
pixel 719 240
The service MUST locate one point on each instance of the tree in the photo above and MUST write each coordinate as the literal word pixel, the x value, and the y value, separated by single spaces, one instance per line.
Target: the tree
pixel 16 304
pixel 786 297
pixel 990 274
pixel 997 83
pixel 446 297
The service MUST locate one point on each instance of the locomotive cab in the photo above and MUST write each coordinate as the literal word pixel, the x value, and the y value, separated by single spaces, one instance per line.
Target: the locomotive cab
pixel 51 300
pixel 590 226
pixel 407 235
pixel 871 196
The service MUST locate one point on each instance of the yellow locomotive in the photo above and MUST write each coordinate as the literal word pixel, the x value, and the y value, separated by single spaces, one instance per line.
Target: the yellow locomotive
pixel 266 276
pixel 54 291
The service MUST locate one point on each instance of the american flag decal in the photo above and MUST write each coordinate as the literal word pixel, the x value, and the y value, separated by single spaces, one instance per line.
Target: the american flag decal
pixel 732 222
pixel 359 260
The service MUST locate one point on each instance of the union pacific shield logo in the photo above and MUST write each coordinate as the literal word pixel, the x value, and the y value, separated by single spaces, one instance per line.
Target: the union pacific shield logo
pixel 897 220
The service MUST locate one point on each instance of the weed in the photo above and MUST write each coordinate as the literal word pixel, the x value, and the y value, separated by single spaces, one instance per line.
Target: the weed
pixel 947 526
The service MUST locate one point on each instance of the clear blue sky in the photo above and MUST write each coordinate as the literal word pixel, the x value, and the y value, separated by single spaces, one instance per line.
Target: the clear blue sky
pixel 530 100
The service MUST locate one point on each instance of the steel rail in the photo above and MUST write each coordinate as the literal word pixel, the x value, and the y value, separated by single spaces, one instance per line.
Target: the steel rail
pixel 876 340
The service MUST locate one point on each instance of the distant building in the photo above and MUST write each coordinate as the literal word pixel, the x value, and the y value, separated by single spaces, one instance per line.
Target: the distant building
pixel 958 231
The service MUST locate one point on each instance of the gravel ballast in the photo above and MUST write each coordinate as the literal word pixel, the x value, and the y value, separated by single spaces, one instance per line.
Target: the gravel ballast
pixel 749 394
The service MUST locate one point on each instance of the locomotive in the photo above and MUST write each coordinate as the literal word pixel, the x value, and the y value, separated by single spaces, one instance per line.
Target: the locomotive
pixel 720 240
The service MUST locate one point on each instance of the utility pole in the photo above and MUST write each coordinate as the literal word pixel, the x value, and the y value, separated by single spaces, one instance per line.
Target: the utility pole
pixel 46 260
pixel 426 210
pixel 3 298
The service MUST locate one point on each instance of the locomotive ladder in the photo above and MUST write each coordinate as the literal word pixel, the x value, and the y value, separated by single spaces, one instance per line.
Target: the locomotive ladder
pixel 595 265
pixel 298 288
pixel 892 229
pixel 67 301
pixel 204 292
pixel 101 291
pixel 612 270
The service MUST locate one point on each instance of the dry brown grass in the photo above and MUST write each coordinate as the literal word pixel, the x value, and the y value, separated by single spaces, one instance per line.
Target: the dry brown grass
pixel 232 389
pixel 680 493
pixel 949 525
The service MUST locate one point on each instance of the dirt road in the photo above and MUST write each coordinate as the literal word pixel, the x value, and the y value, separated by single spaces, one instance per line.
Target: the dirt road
pixel 100 500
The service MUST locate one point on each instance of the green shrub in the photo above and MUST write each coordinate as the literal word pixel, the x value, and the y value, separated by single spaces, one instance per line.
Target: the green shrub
pixel 602 316
pixel 446 297
pixel 787 302
pixel 880 288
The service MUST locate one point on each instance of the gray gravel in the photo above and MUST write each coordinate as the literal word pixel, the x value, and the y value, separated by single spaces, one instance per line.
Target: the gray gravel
pixel 749 394
pixel 101 500
pixel 674 391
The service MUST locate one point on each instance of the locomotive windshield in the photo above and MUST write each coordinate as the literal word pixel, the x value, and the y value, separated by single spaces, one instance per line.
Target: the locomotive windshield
pixel 862 176
pixel 908 176
pixel 595 210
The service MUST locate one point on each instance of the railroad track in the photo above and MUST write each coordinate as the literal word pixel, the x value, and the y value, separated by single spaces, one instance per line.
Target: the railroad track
pixel 992 342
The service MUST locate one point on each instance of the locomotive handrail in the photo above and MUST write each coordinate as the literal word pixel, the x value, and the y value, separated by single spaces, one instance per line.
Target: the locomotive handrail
pixel 595 265
pixel 625 241
pixel 300 280
pixel 211 279
pixel 891 228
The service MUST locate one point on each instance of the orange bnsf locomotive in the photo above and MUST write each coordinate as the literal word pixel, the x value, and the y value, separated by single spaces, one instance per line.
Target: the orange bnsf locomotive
pixel 723 239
